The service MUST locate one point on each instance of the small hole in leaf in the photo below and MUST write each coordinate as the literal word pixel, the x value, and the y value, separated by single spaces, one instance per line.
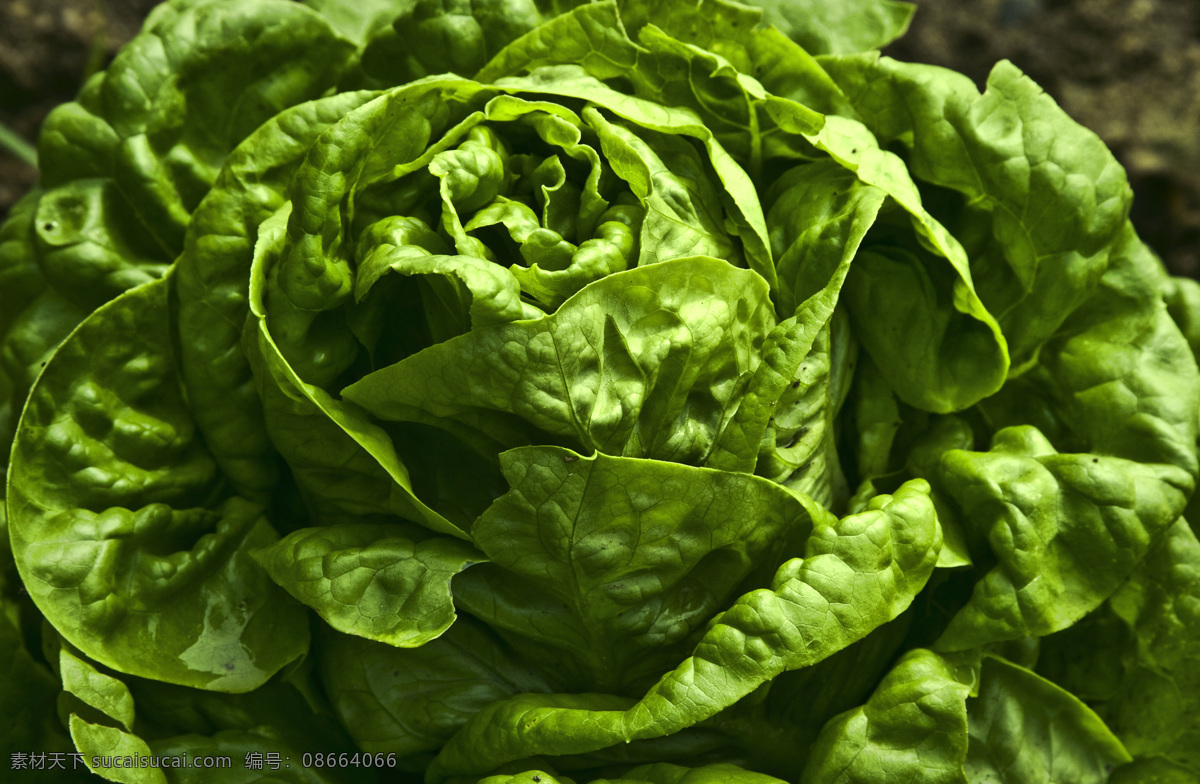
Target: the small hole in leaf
pixel 49 226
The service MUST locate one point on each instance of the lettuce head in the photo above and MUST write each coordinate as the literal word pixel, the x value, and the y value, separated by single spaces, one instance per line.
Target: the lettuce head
pixel 659 392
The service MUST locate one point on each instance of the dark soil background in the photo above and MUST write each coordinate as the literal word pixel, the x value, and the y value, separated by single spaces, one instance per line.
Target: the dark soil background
pixel 1128 69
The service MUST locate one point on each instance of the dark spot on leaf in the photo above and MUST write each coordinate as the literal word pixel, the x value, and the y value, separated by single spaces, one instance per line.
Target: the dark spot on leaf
pixel 795 385
pixel 1095 460
pixel 229 666
pixel 854 151
pixel 796 438
pixel 537 778
pixel 49 226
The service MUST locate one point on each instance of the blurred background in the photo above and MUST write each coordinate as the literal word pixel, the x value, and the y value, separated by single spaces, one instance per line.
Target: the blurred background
pixel 1128 69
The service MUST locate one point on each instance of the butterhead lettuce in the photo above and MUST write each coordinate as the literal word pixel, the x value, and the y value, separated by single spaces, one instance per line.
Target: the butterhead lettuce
pixel 673 392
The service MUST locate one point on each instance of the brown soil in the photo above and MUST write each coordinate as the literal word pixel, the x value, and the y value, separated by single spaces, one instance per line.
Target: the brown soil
pixel 1129 69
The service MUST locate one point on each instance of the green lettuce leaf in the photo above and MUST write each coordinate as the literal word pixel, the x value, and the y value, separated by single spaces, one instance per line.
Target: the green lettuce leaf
pixel 624 560
pixel 412 700
pixel 372 580
pixel 913 726
pixel 124 166
pixel 1116 392
pixel 666 348
pixel 881 557
pixel 122 526
pixel 1025 729
pixel 1134 659
pixel 839 28
pixel 1014 159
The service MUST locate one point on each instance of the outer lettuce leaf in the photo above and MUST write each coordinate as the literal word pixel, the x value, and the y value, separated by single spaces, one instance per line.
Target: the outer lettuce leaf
pixel 121 524
pixel 965 718
pixel 27 694
pixel 1016 160
pixel 1115 459
pixel 774 728
pixel 360 21
pixel 101 740
pixel 715 35
pixel 696 56
pixel 913 727
pixel 125 165
pixel 658 773
pixel 1025 729
pixel 927 285
pixel 719 773
pixel 857 574
pixel 1183 303
pixel 212 279
pixel 604 568
pixel 839 28
pixel 412 700
pixel 111 699
pixel 1135 659
pixel 429 37
pixel 176 721
pixel 592 36
pixel 1118 391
